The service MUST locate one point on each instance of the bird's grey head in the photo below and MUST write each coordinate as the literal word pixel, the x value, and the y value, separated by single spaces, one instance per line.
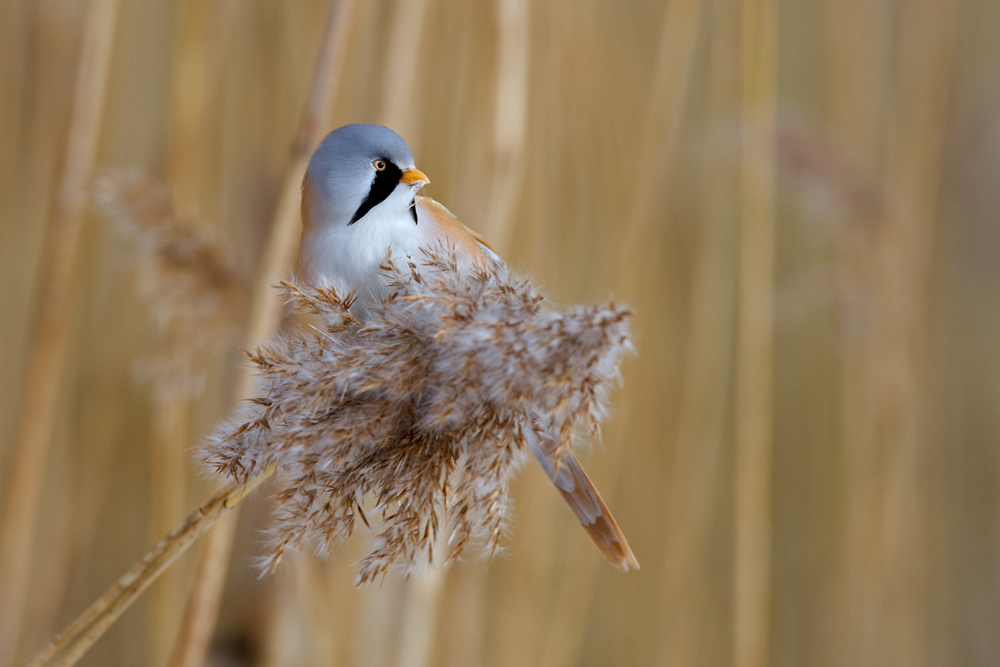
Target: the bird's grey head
pixel 356 169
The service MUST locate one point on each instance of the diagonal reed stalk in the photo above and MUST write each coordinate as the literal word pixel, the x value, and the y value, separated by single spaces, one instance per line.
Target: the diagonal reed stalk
pixel 202 610
pixel 51 335
pixel 170 433
pixel 89 626
pixel 78 522
pixel 755 345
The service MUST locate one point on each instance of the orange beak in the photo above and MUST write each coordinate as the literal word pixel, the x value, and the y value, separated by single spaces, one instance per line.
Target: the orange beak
pixel 414 175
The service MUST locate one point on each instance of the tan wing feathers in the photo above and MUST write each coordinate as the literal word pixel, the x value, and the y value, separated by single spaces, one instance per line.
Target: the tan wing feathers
pixel 453 232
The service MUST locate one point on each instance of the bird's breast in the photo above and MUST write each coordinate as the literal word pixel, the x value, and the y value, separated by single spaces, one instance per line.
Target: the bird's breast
pixel 349 257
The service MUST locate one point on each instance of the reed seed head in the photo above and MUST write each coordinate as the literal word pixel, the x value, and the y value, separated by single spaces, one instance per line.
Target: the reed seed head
pixel 187 272
pixel 420 413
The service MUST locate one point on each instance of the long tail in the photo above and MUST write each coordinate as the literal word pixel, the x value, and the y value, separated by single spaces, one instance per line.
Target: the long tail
pixel 588 506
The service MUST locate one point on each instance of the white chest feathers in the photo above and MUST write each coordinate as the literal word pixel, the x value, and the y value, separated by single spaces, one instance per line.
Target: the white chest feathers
pixel 348 257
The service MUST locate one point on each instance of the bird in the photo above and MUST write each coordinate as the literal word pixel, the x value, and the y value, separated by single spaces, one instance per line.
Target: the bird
pixel 359 202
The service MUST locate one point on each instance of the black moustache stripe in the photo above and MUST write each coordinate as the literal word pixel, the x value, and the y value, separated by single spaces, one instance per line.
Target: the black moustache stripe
pixel 383 185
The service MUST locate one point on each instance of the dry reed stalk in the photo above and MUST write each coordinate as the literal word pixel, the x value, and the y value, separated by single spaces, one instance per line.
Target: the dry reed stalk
pixel 169 434
pixel 343 620
pixel 657 144
pixel 857 79
pixel 853 204
pixel 314 587
pixel 464 611
pixel 89 626
pixel 899 343
pixel 12 86
pixel 377 622
pixel 656 150
pixel 755 334
pixel 198 624
pixel 399 77
pixel 563 643
pixel 313 612
pixel 299 628
pixel 856 74
pixel 695 472
pixel 51 330
pixel 202 610
pixel 420 618
pixel 881 588
pixel 202 31
pixel 519 605
pixel 510 120
pixel 286 637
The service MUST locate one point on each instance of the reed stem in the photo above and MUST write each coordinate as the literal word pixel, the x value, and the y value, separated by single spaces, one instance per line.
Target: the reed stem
pixel 510 121
pixel 168 484
pixel 89 626
pixel 399 79
pixel 420 617
pixel 755 344
pixel 695 472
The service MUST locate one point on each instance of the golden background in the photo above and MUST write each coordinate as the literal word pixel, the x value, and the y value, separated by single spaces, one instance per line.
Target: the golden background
pixel 799 199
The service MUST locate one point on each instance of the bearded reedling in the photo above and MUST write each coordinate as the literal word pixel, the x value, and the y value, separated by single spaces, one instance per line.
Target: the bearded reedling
pixel 359 205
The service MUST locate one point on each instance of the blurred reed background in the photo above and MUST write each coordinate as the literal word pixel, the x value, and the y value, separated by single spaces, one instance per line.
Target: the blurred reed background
pixel 800 200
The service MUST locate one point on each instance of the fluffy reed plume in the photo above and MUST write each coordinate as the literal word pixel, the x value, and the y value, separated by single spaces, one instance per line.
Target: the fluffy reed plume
pixel 427 409
pixel 189 274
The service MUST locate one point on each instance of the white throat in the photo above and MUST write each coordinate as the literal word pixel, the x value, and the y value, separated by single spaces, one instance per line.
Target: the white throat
pixel 348 257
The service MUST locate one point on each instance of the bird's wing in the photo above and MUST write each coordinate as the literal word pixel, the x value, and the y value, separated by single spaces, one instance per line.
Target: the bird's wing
pixel 443 227
pixel 586 503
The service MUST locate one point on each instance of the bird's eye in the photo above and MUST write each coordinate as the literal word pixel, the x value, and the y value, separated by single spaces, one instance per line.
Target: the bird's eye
pixel 379 164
